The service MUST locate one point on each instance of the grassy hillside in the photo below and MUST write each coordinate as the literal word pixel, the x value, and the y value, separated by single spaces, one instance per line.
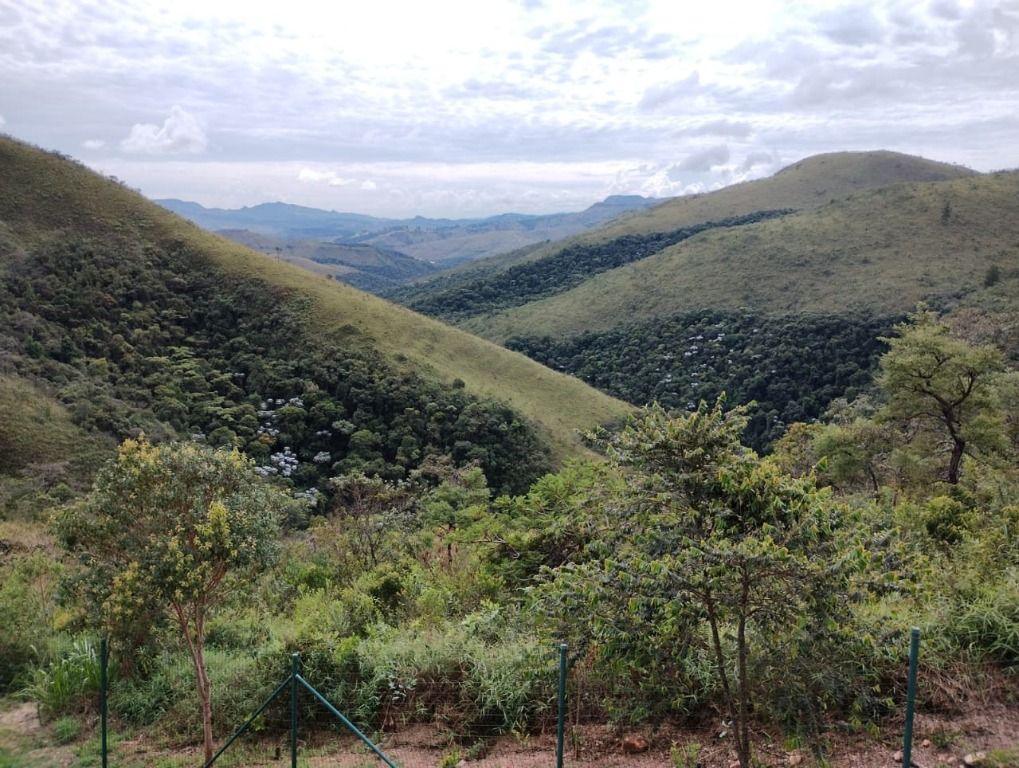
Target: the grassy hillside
pixel 45 197
pixel 363 266
pixel 810 183
pixel 875 252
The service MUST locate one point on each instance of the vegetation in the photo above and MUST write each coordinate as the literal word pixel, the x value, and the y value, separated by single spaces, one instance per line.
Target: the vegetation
pixel 789 367
pixel 171 530
pixel 693 579
pixel 877 252
pixel 555 274
pixel 47 201
pixel 140 339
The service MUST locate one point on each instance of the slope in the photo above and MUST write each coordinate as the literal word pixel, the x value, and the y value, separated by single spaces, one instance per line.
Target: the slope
pixel 363 266
pixel 57 214
pixel 876 252
pixel 810 183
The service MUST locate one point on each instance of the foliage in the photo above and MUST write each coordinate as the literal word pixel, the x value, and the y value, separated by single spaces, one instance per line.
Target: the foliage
pixel 169 530
pixel 708 534
pixel 943 390
pixel 570 266
pixel 70 682
pixel 27 613
pixel 142 338
pixel 791 367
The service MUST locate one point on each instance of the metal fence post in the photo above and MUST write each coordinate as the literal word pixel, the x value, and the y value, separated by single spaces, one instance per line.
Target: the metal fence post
pixel 104 658
pixel 295 674
pixel 561 724
pixel 907 736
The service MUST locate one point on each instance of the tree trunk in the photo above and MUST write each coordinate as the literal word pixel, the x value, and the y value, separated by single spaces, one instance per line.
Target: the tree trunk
pixel 742 687
pixel 204 696
pixel 953 466
pixel 723 676
pixel 196 645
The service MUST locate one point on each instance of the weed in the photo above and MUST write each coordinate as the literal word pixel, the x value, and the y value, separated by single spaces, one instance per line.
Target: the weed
pixel 66 729
pixel 687 756
pixel 943 738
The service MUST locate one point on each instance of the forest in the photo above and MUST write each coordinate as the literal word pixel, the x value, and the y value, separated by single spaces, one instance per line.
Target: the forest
pixel 789 367
pixel 693 578
pixel 153 340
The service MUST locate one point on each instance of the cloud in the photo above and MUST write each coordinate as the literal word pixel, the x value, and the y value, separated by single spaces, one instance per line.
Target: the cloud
pixel 659 95
pixel 2 121
pixel 754 159
pixel 739 129
pixel 852 26
pixel 180 133
pixel 946 9
pixel 329 177
pixel 369 185
pixel 705 160
pixel 93 144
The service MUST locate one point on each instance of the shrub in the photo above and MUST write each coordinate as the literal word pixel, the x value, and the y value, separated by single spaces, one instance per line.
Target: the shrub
pixel 69 682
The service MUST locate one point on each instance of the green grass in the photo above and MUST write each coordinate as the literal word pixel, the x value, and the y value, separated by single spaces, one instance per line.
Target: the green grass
pixel 807 184
pixel 44 195
pixel 35 428
pixel 877 252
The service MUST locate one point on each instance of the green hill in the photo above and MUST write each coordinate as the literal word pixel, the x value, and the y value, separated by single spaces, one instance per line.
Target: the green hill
pixel 774 290
pixel 875 252
pixel 809 184
pixel 135 319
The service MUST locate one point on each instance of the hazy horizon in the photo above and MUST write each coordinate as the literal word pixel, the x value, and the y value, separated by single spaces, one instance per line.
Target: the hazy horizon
pixel 461 110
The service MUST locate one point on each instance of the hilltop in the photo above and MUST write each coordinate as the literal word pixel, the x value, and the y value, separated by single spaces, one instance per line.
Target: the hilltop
pixel 774 290
pixel 807 184
pixel 136 319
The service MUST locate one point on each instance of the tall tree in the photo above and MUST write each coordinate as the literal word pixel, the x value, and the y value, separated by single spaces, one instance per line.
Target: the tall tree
pixel 943 388
pixel 725 537
pixel 169 530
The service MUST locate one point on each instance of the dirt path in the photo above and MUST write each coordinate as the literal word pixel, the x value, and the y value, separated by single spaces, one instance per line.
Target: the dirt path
pixel 25 742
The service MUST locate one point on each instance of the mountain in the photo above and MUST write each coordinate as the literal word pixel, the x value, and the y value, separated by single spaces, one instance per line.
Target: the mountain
pixel 774 290
pixel 445 241
pixel 118 317
pixel 363 266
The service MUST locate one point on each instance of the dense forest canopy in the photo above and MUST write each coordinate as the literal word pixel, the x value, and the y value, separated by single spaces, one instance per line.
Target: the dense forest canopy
pixel 143 339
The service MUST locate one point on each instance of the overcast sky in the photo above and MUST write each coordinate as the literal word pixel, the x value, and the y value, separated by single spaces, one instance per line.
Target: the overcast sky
pixel 486 106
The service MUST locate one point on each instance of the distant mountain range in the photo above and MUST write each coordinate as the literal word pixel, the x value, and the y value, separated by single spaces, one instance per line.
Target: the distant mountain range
pixel 442 241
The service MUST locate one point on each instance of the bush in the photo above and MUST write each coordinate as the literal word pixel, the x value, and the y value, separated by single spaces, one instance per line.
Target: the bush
pixel 68 684
pixel 26 617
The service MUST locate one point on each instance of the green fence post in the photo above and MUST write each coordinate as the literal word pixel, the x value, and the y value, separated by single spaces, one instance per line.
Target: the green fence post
pixel 104 658
pixel 295 673
pixel 907 736
pixel 561 724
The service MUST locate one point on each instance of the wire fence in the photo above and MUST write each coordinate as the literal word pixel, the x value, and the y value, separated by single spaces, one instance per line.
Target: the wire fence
pixel 290 722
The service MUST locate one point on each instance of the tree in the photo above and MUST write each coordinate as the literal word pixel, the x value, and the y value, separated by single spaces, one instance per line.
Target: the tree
pixel 167 531
pixel 716 534
pixel 942 388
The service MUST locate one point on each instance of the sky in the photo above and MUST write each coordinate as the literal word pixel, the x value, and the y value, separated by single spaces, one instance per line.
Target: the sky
pixel 449 108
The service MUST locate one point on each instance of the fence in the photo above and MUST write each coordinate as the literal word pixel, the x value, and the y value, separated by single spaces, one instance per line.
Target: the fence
pixel 295 683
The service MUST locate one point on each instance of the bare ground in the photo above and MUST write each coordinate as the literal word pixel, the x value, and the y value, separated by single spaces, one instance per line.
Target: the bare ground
pixel 941 741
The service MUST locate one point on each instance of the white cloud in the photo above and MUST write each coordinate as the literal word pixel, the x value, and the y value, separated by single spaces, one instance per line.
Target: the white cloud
pixel 705 160
pixel 180 133
pixel 329 177
pixel 369 185
pixel 93 144
pixel 2 121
